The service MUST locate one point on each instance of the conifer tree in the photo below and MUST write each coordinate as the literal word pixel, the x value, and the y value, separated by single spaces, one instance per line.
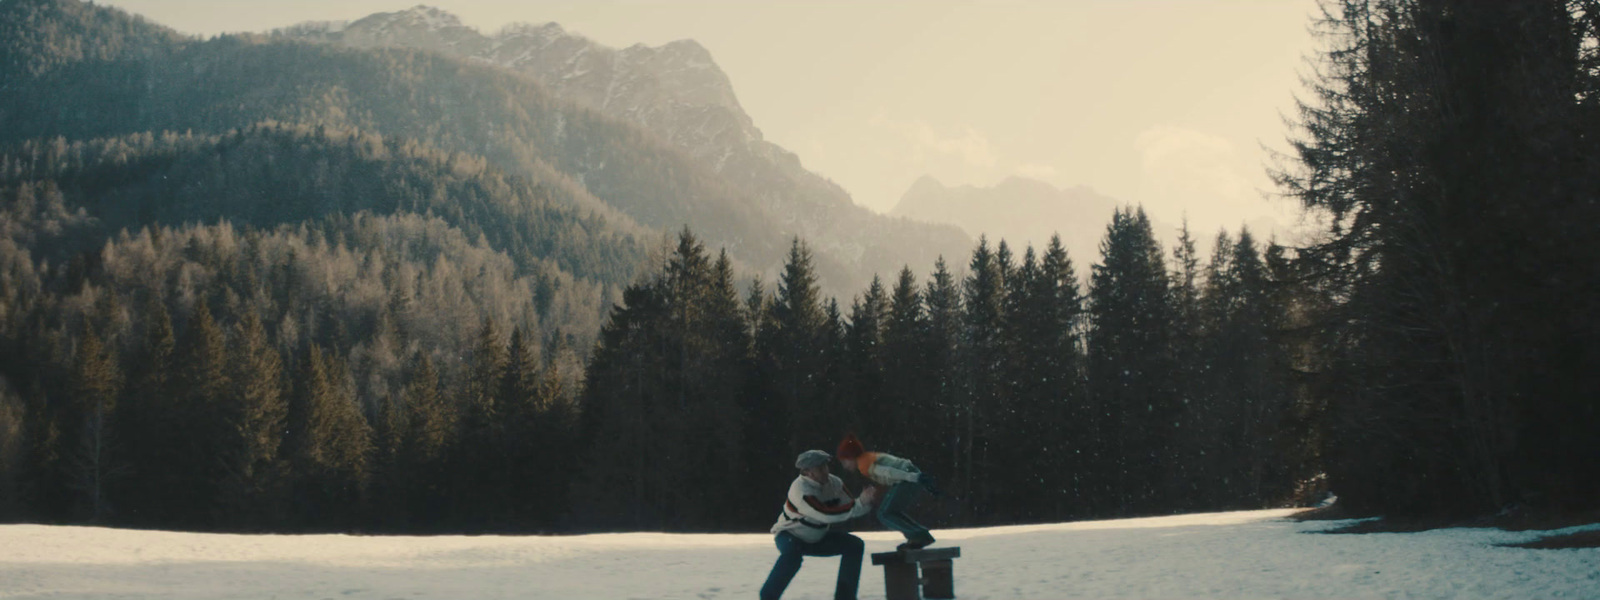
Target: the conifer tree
pixel 94 384
pixel 791 356
pixel 623 382
pixel 1426 150
pixel 517 471
pixel 202 391
pixel 1192 369
pixel 909 381
pixel 1063 413
pixel 558 436
pixel 1016 417
pixel 479 495
pixel 944 345
pixel 1043 309
pixel 13 450
pixel 146 416
pixel 663 412
pixel 864 368
pixel 329 442
pixel 255 414
pixel 832 386
pixel 388 502
pixel 45 486
pixel 984 373
pixel 724 386
pixel 1131 368
pixel 425 444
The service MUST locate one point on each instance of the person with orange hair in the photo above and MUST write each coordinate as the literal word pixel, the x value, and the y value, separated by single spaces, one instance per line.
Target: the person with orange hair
pixel 904 481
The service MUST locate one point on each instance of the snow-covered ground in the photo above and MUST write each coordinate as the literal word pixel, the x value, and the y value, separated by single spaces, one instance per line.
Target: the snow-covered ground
pixel 1257 554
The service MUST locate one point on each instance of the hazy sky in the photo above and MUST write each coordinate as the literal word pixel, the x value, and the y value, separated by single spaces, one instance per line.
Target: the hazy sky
pixel 1165 103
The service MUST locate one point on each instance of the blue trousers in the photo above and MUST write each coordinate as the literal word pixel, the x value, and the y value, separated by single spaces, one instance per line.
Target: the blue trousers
pixel 892 512
pixel 791 551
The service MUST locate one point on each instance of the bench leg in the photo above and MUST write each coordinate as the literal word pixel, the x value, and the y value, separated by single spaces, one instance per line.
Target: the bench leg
pixel 938 580
pixel 900 581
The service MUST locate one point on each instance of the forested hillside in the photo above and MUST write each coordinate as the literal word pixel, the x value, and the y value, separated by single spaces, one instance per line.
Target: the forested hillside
pixel 234 82
pixel 222 277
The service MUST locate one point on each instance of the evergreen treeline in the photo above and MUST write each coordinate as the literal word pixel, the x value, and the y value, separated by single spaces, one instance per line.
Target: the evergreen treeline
pixel 1450 148
pixel 1154 390
pixel 204 377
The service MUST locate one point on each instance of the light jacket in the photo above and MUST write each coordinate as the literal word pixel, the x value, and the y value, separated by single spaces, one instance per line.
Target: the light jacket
pixel 886 469
pixel 812 508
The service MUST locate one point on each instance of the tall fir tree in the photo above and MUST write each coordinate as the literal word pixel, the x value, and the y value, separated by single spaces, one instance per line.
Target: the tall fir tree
pixel 479 489
pixel 425 446
pixel 983 366
pixel 95 383
pixel 1063 413
pixel 910 383
pixel 864 363
pixel 145 416
pixel 1131 369
pixel 1191 440
pixel 944 347
pixel 517 466
pixel 255 419
pixel 328 442
pixel 1461 366
pixel 202 391
pixel 791 359
pixel 624 380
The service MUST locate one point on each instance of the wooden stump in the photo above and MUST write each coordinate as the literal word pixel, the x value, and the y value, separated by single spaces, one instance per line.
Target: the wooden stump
pixel 900 581
pixel 900 578
pixel 938 579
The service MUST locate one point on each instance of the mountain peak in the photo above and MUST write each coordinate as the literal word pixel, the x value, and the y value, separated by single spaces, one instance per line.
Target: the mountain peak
pixel 539 30
pixel 430 17
pixel 421 17
pixel 924 185
pixel 687 47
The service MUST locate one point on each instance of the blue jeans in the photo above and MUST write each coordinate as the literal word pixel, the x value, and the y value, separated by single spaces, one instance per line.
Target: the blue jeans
pixel 892 513
pixel 791 550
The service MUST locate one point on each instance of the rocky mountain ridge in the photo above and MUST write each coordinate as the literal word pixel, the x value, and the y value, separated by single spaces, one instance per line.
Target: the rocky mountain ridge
pixel 677 93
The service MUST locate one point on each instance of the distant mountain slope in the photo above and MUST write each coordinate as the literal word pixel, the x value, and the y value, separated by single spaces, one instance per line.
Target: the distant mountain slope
pixel 1018 210
pixel 269 175
pixel 676 92
pixel 38 36
pixel 233 82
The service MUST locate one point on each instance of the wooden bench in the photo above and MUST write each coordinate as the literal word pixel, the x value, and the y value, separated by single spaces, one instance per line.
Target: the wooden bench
pixel 900 577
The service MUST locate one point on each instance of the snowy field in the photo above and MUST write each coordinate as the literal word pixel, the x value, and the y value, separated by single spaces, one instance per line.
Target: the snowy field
pixel 1257 554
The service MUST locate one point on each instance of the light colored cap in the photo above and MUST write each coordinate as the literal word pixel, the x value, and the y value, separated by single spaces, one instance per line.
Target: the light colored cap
pixel 811 458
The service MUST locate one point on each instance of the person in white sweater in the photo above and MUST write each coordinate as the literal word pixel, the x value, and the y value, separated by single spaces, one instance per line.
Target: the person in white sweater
pixel 816 501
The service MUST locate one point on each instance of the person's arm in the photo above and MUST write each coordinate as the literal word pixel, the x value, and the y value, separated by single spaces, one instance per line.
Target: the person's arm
pixel 893 469
pixel 825 505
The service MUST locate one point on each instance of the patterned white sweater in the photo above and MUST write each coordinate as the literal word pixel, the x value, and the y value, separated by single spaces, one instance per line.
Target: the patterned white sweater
pixel 812 508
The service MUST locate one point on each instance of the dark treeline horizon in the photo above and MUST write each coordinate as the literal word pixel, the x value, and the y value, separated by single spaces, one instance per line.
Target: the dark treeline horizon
pixel 696 397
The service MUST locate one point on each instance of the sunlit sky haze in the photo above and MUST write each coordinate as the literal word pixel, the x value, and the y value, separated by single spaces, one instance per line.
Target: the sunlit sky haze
pixel 1172 104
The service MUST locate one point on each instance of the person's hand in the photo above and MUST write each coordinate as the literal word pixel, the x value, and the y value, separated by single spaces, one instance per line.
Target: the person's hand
pixel 930 483
pixel 869 495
